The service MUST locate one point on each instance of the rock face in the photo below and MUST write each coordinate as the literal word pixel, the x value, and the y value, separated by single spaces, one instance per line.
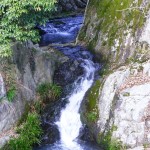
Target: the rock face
pixel 115 31
pixel 29 67
pixel 2 87
pixel 124 103
pixel 119 106
pixel 71 5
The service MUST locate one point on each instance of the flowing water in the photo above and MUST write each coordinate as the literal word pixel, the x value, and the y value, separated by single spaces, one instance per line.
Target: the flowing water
pixel 69 124
pixel 61 31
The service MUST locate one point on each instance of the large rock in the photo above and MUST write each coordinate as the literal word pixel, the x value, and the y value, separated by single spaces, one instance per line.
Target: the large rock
pixel 124 106
pixel 117 31
pixel 29 67
pixel 118 104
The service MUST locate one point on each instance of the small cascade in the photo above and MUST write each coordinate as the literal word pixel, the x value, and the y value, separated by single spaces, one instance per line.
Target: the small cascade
pixel 63 129
pixel 63 30
pixel 70 123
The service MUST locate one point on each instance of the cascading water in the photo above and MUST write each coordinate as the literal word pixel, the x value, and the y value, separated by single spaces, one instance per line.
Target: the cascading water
pixel 69 124
pixel 62 30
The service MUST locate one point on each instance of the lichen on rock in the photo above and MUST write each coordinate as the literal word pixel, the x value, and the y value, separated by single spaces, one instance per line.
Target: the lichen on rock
pixel 118 33
pixel 113 29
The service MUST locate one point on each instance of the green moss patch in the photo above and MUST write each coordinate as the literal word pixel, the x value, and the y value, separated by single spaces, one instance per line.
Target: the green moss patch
pixel 92 108
pixel 108 143
pixel 116 17
pixel 115 20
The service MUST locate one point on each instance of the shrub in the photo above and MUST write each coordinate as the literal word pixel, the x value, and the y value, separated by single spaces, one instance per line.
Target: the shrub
pixel 49 91
pixel 29 134
pixel 17 23
pixel 109 143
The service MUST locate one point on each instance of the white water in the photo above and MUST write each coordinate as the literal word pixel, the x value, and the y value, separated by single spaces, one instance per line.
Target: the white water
pixel 70 124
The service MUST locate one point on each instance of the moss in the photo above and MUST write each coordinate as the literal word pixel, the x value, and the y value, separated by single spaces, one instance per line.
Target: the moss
pixel 116 20
pixel 106 70
pixel 140 69
pixel 108 143
pixel 117 17
pixel 82 34
pixel 92 108
pixel 126 94
pixel 11 93
pixel 146 145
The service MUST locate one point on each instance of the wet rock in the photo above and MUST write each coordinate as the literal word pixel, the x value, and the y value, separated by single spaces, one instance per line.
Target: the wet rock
pixel 71 5
pixel 31 67
pixel 68 72
pixel 51 134
pixel 86 135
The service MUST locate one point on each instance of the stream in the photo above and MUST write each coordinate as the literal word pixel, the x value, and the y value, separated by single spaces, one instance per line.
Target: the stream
pixel 77 76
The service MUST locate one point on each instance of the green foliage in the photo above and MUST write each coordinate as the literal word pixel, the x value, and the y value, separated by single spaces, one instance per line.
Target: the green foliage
pixel 24 115
pixel 5 50
pixel 108 143
pixel 92 116
pixel 29 134
pixel 39 106
pixel 11 93
pixel 49 91
pixel 18 20
pixel 92 108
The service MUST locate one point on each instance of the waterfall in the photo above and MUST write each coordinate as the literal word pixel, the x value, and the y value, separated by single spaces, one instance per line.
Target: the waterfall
pixel 64 30
pixel 70 124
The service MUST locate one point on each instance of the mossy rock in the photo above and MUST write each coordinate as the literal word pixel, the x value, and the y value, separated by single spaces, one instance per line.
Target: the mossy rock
pixel 92 112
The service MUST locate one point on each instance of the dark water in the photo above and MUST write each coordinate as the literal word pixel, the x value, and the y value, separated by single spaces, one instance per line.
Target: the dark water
pixel 60 31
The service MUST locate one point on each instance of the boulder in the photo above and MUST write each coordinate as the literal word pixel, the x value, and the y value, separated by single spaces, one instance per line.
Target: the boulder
pixel 29 67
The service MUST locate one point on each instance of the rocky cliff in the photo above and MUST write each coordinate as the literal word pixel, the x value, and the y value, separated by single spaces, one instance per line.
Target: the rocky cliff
pixel 118 106
pixel 117 31
pixel 19 78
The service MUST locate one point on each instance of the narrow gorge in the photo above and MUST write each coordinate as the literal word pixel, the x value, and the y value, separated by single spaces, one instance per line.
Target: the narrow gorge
pixel 98 63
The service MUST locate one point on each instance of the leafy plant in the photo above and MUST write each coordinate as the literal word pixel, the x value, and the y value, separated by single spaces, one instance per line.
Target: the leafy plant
pixel 108 143
pixel 29 134
pixel 49 91
pixel 18 20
